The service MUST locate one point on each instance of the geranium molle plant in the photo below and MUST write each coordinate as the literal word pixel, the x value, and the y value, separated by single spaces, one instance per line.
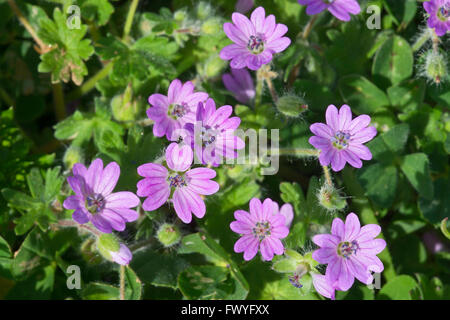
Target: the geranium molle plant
pixel 439 11
pixel 350 252
pixel 176 181
pixel 212 136
pixel 173 111
pixel 255 40
pixel 341 139
pixel 261 229
pixel 94 201
pixel 341 9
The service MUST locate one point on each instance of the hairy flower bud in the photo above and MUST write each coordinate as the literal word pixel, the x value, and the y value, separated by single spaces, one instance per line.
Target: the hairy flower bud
pixel 73 155
pixel 435 67
pixel 111 249
pixel 123 107
pixel 291 105
pixel 330 199
pixel 212 26
pixel 168 235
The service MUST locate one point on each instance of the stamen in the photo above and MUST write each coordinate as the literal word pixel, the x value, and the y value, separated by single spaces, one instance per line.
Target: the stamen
pixel 177 181
pixel 340 140
pixel 256 44
pixel 346 249
pixel 179 110
pixel 261 230
pixel 95 203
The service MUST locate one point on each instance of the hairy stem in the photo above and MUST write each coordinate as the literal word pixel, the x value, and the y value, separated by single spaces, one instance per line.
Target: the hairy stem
pixel 424 37
pixel 71 223
pixel 122 282
pixel 326 173
pixel 308 27
pixel 129 20
pixel 58 101
pixel 299 152
pixel 90 84
pixel 259 88
pixel 42 46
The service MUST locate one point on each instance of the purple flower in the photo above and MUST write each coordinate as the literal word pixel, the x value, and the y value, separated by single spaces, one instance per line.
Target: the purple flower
pixel 341 139
pixel 212 137
pixel 350 251
pixel 338 8
pixel 173 111
pixel 260 229
pixel 322 286
pixel 439 11
pixel 184 184
pixel 286 210
pixel 243 6
pixel 123 256
pixel 93 200
pixel 255 40
pixel 240 83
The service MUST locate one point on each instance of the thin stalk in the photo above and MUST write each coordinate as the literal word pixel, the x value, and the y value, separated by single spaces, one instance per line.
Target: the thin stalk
pixel 273 93
pixel 422 40
pixel 299 152
pixel 122 282
pixel 58 101
pixel 42 46
pixel 71 223
pixel 259 88
pixel 129 20
pixel 326 173
pixel 90 84
pixel 308 27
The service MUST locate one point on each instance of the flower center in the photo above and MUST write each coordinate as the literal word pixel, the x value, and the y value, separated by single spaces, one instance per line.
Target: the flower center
pixel 444 12
pixel 95 203
pixel 178 110
pixel 261 230
pixel 328 1
pixel 256 44
pixel 177 180
pixel 346 249
pixel 340 140
pixel 208 135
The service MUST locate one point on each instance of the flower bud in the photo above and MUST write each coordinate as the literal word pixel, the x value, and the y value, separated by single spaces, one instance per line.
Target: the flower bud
pixel 89 252
pixel 204 10
pixel 435 68
pixel 180 15
pixel 110 248
pixel 168 235
pixel 212 26
pixel 330 199
pixel 123 107
pixel 291 105
pixel 73 155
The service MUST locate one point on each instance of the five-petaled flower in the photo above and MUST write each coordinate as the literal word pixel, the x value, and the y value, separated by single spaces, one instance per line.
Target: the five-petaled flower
pixel 255 40
pixel 173 111
pixel 439 11
pixel 94 201
pixel 341 139
pixel 178 181
pixel 338 8
pixel 212 136
pixel 261 229
pixel 350 252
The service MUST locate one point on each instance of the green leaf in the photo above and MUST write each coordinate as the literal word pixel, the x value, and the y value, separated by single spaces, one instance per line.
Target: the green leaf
pixel 292 193
pixel 158 269
pixel 69 50
pixel 100 291
pixel 20 200
pixel 380 183
pixel 399 288
pixel 437 208
pixel 402 11
pixel 444 229
pixel 407 95
pixel 416 168
pixel 35 183
pixel 53 183
pixel 361 94
pixel 205 283
pixel 96 10
pixel 133 285
pixel 5 251
pixel 395 139
pixel 393 61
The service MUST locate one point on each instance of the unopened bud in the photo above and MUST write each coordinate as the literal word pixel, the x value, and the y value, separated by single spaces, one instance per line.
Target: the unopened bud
pixel 89 252
pixel 73 155
pixel 110 248
pixel 168 235
pixel 123 107
pixel 212 26
pixel 180 15
pixel 291 105
pixel 435 68
pixel 204 10
pixel 330 199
